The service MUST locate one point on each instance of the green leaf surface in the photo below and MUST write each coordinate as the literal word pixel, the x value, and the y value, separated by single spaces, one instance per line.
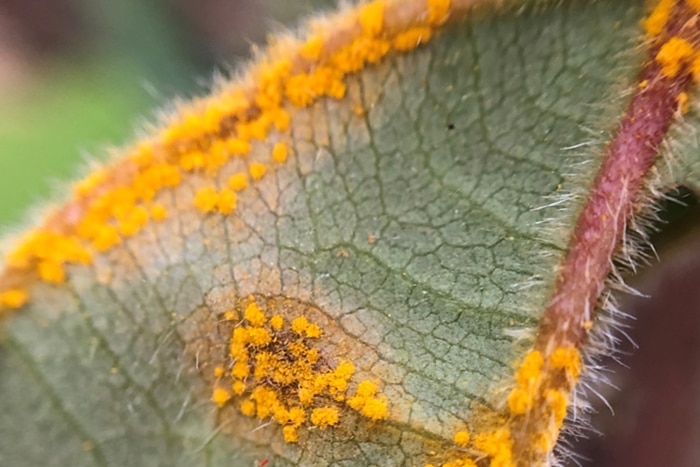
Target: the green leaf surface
pixel 423 232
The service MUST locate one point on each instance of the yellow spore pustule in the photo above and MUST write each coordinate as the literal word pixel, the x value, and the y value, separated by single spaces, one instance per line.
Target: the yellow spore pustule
pixel 658 18
pixel 673 54
pixel 535 411
pixel 277 373
pixel 13 298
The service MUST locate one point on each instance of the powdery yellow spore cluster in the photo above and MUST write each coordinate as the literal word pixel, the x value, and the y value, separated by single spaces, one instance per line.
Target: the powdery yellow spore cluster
pixel 536 408
pixel 545 384
pixel 275 372
pixel 675 53
pixel 13 298
pixel 656 21
pixel 494 447
pixel 115 203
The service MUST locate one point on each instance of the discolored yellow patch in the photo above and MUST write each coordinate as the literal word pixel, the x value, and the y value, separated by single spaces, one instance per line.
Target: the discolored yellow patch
pixel 275 370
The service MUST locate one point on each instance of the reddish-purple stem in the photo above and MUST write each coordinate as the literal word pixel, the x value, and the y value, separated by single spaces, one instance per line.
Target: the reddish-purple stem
pixel 600 226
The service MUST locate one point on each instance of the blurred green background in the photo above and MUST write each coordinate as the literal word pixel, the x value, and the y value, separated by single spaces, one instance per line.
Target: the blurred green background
pixel 79 76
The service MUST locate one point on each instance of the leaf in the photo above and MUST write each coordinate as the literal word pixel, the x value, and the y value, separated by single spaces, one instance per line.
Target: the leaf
pixel 418 211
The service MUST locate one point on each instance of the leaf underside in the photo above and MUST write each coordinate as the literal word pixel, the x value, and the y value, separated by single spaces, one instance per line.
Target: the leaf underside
pixel 425 230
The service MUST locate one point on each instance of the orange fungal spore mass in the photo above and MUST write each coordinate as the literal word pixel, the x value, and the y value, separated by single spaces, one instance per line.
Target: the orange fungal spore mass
pixel 13 298
pixel 312 49
pixel 673 55
pixel 568 359
pixel 51 272
pixel 253 315
pixel 498 445
pixel 538 400
pixel 372 18
pixel 227 201
pixel 408 40
pixel 220 396
pixel 205 199
pixel 658 18
pixel 530 369
pixel 462 438
pixel 238 181
pixel 324 417
pixel 520 401
pixel 159 212
pixel 280 152
pixel 278 374
pixel 257 170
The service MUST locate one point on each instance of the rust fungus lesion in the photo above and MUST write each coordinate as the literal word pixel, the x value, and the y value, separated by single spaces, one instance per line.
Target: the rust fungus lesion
pixel 270 359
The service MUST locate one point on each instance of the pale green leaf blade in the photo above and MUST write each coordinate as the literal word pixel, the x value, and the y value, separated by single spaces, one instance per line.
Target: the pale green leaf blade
pixel 424 230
